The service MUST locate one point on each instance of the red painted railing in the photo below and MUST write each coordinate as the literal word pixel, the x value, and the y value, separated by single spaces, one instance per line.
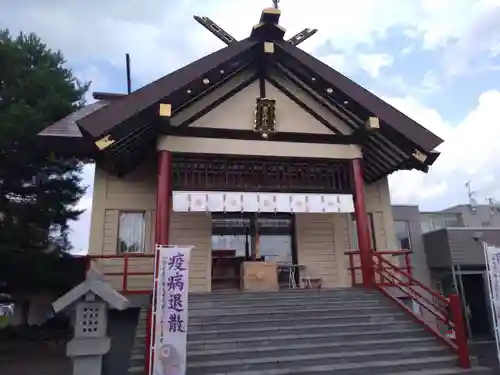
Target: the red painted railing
pixel 126 265
pixel 443 312
pixel 355 269
pixel 124 262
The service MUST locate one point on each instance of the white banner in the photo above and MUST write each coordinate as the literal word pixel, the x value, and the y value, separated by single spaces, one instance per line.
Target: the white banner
pixel 168 352
pixel 492 257
pixel 213 201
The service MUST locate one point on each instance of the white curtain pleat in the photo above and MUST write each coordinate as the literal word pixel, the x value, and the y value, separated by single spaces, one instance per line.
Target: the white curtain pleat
pixel 131 235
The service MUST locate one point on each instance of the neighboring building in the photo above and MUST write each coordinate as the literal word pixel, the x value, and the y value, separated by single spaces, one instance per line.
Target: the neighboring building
pixel 408 232
pixel 477 216
pixel 431 221
pixel 448 254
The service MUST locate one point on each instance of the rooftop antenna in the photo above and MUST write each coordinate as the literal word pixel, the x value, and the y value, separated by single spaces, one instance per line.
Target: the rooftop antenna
pixel 470 195
pixel 129 79
pixel 494 206
pixel 275 4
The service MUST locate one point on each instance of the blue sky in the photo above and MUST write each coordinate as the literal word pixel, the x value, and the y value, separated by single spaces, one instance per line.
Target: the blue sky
pixel 436 60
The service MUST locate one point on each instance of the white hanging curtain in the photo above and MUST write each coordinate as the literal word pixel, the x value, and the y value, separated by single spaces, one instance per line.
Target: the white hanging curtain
pixel 131 232
pixel 207 201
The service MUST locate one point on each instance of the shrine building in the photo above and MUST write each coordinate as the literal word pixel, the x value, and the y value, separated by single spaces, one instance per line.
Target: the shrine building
pixel 267 161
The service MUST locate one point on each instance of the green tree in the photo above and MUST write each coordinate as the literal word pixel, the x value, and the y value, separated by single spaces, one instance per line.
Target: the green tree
pixel 38 192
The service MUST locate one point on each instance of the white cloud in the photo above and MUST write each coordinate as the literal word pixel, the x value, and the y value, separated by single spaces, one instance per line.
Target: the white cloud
pixel 98 80
pixel 470 43
pixel 161 35
pixel 429 84
pixel 337 61
pixel 80 230
pixel 374 62
pixel 468 153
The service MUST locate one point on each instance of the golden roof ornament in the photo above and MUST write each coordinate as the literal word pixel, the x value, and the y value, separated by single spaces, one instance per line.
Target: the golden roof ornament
pixel 265 117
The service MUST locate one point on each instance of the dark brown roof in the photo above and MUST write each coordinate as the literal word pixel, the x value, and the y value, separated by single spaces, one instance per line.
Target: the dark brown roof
pixel 131 121
pixel 67 127
pixel 101 122
pixel 372 103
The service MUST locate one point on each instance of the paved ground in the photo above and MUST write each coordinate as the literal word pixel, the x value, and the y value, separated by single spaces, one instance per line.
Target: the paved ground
pixel 487 355
pixel 34 359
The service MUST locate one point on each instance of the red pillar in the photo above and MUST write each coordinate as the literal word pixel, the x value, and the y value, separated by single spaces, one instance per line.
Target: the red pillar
pixel 163 197
pixel 362 224
pixel 162 230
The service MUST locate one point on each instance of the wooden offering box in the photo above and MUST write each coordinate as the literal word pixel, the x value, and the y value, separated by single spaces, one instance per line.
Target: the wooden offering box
pixel 259 276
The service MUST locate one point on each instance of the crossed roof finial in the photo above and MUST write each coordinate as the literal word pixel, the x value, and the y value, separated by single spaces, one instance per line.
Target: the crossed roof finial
pixel 228 39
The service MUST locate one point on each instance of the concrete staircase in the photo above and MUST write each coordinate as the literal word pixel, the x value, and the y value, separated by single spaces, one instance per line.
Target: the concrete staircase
pixel 138 356
pixel 308 332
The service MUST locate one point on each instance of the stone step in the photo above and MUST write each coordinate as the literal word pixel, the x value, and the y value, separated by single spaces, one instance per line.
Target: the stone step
pixel 291 320
pixel 254 363
pixel 279 305
pixel 305 338
pixel 297 329
pixel 220 295
pixel 139 370
pixel 311 347
pixel 448 371
pixel 255 299
pixel 380 367
pixel 283 311
pixel 239 311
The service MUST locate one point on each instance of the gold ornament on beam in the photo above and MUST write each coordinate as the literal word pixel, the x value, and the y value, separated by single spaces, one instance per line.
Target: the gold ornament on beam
pixel 265 117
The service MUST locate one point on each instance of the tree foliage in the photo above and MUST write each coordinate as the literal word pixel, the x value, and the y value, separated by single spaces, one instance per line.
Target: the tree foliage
pixel 38 192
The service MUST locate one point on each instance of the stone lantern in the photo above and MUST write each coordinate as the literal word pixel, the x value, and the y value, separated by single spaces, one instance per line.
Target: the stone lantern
pixel 89 303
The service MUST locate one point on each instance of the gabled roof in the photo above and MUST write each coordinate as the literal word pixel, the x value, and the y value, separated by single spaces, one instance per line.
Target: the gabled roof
pixel 358 98
pixel 171 87
pixel 67 127
pixel 126 129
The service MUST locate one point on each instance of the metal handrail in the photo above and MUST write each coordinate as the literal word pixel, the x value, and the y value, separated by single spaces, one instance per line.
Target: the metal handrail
pixel 126 273
pixel 447 310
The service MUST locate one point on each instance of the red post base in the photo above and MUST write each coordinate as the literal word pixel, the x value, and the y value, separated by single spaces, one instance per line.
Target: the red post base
pixel 162 231
pixel 457 317
pixel 362 224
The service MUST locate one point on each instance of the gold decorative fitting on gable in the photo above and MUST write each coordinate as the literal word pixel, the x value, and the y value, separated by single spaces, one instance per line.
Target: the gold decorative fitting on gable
pixel 265 116
pixel 104 142
pixel 268 47
pixel 271 11
pixel 165 110
pixel 419 155
pixel 372 123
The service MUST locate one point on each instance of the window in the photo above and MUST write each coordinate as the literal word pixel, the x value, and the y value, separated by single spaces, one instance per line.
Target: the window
pixel 275 238
pixel 131 232
pixel 402 230
pixel 234 242
pixel 238 234
pixel 435 221
pixel 354 231
pixel 231 233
